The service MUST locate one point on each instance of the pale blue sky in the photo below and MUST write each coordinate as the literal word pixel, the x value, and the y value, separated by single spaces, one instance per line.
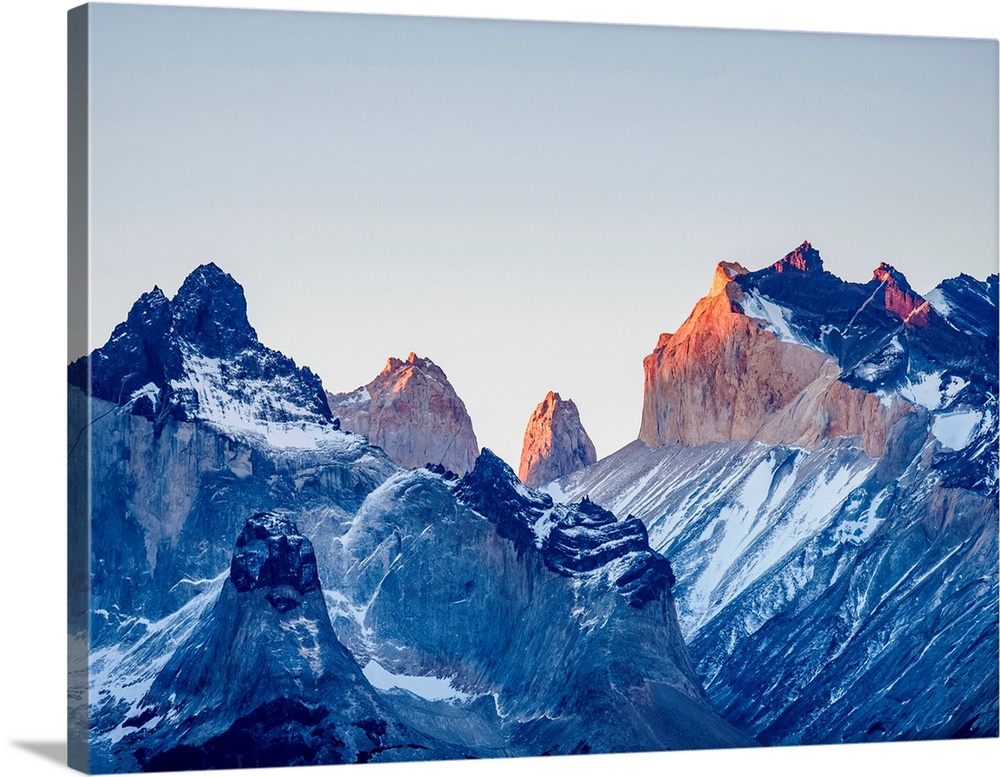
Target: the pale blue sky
pixel 528 204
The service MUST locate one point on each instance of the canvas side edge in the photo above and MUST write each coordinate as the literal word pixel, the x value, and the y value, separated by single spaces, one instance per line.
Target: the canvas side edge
pixel 78 402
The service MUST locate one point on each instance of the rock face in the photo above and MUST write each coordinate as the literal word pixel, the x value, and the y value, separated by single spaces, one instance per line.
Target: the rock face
pixel 818 459
pixel 412 412
pixel 197 357
pixel 897 297
pixel 793 355
pixel 555 442
pixel 265 663
pixel 554 624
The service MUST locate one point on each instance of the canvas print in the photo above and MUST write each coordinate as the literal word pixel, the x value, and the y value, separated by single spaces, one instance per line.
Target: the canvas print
pixel 449 389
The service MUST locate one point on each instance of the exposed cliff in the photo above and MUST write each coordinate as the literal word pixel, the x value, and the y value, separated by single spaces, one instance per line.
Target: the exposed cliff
pixel 726 375
pixel 555 442
pixel 413 413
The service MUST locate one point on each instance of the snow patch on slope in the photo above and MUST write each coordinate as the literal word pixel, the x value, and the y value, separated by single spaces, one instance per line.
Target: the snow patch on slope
pixel 938 301
pixel 955 430
pixel 250 413
pixel 424 686
pixel 858 530
pixel 124 672
pixel 776 318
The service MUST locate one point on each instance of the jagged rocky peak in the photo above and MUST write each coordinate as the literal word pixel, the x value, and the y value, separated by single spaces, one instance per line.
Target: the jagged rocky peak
pixel 196 357
pixel 574 540
pixel 406 367
pixel 210 309
pixel 151 310
pixel 898 297
pixel 805 258
pixel 413 413
pixel 750 363
pixel 886 273
pixel 492 488
pixel 725 272
pixel 967 303
pixel 555 442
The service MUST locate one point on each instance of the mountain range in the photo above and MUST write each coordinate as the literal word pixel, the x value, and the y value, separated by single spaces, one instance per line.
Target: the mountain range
pixel 818 459
pixel 800 546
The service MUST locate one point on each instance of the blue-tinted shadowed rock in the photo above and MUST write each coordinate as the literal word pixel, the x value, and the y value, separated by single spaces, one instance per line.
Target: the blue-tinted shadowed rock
pixel 262 679
pixel 572 539
pixel 558 617
pixel 197 357
pixel 271 552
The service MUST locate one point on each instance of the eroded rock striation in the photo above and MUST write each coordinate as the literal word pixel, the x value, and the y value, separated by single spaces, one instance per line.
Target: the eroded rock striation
pixel 413 413
pixel 555 442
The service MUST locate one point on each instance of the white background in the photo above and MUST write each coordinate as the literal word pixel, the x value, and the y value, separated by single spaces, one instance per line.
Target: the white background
pixel 33 363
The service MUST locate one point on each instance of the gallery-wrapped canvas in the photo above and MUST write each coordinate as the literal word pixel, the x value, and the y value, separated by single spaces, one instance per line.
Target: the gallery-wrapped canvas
pixel 449 389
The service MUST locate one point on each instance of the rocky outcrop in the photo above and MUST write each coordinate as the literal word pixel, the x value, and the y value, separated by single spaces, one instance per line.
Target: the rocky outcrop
pixel 196 356
pixel 413 413
pixel 572 539
pixel 724 375
pixel 897 297
pixel 555 442
pixel 805 259
pixel 270 553
pixel 558 616
pixel 263 679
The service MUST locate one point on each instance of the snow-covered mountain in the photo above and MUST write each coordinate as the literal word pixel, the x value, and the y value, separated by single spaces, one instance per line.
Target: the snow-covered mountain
pixel 196 357
pixel 368 612
pixel 818 460
pixel 413 413
pixel 555 442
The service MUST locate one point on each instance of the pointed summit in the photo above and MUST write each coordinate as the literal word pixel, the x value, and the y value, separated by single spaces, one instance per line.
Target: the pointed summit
pixel 210 310
pixel 492 481
pixel 805 258
pixel 413 413
pixel 196 357
pixel 150 312
pixel 725 272
pixel 555 442
pixel 896 295
pixel 886 273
